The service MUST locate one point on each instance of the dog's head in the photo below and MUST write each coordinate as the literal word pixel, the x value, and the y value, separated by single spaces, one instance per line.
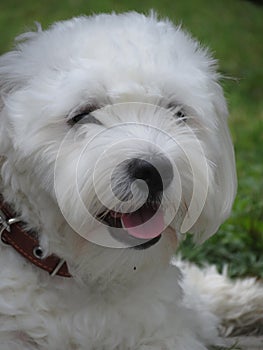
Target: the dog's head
pixel 118 123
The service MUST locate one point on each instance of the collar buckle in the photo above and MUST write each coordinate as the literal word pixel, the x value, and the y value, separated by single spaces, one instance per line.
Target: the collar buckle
pixel 27 244
pixel 5 226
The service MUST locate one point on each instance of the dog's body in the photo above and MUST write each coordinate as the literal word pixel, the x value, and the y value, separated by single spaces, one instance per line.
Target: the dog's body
pixel 83 98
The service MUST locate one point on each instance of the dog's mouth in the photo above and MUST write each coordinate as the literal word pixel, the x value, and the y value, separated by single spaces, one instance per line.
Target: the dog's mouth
pixel 140 229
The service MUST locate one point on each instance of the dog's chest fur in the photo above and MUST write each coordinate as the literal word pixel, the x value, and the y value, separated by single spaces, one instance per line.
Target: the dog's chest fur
pixel 41 313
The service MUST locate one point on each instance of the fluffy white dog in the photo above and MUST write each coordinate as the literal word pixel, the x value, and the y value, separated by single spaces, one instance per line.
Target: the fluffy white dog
pixel 113 144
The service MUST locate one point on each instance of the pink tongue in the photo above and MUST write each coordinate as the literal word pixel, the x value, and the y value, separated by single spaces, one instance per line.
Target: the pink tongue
pixel 144 223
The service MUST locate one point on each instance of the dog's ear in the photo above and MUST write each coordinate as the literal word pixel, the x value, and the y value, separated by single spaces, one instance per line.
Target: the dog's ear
pixel 222 179
pixel 15 69
pixel 10 79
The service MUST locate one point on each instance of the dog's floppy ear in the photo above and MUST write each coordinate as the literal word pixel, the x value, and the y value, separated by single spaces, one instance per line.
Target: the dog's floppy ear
pixel 10 79
pixel 15 70
pixel 222 181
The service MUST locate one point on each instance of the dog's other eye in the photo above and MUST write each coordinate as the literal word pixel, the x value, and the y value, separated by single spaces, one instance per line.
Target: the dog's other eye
pixel 177 111
pixel 84 117
pixel 180 114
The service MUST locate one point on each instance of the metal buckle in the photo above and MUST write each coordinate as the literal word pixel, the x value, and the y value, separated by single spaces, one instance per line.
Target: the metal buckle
pixel 5 226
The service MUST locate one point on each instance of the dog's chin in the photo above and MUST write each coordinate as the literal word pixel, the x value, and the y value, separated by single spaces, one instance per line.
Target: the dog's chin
pixel 135 243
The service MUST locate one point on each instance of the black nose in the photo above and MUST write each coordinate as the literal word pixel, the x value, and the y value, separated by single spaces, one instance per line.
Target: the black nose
pixel 156 172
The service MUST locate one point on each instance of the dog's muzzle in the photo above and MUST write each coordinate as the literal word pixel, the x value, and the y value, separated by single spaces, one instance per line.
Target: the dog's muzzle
pixel 154 174
pixel 143 227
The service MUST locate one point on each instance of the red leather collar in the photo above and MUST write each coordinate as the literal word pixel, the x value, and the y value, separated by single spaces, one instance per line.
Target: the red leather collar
pixel 12 233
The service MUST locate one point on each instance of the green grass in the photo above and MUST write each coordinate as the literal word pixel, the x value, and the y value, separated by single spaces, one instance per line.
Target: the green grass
pixel 233 30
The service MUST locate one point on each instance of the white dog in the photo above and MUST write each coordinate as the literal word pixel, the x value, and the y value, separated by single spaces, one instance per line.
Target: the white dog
pixel 113 144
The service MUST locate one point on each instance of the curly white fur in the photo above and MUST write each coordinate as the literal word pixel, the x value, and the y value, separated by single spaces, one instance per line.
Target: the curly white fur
pixel 129 65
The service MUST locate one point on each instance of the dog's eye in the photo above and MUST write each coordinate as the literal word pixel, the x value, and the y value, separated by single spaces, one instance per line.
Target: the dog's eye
pixel 180 114
pixel 84 117
pixel 177 111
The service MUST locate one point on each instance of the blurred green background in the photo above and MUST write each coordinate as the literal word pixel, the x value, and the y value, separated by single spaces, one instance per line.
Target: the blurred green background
pixel 233 29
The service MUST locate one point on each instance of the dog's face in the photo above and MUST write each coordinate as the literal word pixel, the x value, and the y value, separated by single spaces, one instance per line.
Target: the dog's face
pixel 119 122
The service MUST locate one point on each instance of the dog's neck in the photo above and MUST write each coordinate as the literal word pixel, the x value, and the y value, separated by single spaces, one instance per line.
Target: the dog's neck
pixel 13 234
